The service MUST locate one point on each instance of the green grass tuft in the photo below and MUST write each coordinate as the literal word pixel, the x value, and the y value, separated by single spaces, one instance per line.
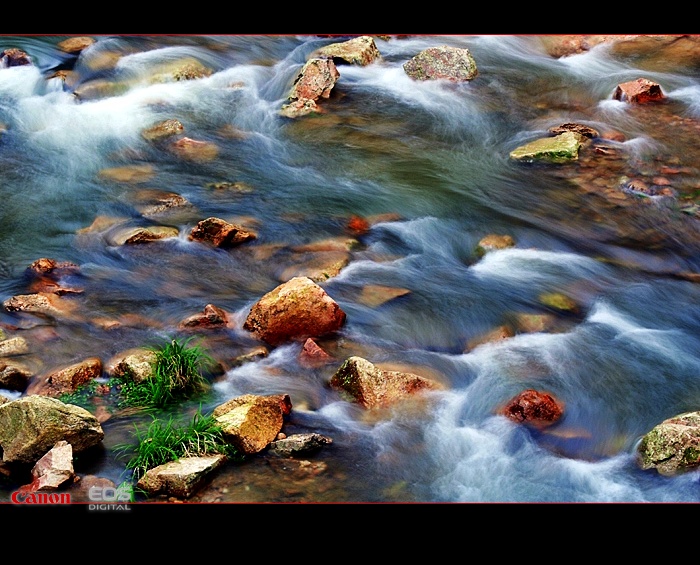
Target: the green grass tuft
pixel 177 375
pixel 163 442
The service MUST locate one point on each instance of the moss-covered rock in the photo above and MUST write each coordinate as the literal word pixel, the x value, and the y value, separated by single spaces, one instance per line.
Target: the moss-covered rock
pixel 673 446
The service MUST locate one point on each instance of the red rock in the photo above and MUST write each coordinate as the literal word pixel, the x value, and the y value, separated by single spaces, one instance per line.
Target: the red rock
pixel 640 91
pixel 357 225
pixel 533 407
pixel 67 379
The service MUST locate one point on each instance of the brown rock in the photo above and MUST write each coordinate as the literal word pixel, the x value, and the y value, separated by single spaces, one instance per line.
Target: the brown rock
pixel 372 387
pixel 187 68
pixel 495 335
pixel 581 129
pixel 494 241
pixel 359 51
pixel 299 444
pixel 254 354
pixel 136 364
pixel 565 45
pixel 374 295
pixel 129 174
pixel 211 317
pixel 101 224
pixel 75 44
pixel 534 323
pixel 220 233
pixel 14 376
pixel 194 149
pixel 13 346
pixel 14 57
pixel 153 203
pixel 162 130
pixel 45 304
pixel 297 309
pixel 251 422
pixel 318 266
pixel 141 235
pixel 46 266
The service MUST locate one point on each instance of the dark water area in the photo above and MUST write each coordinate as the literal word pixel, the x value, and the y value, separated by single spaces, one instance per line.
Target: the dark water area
pixel 430 158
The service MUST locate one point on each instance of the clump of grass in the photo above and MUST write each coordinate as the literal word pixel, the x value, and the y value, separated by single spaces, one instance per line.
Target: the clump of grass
pixel 165 442
pixel 177 375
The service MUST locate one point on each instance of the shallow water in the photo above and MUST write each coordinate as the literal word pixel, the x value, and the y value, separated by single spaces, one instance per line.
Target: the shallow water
pixel 433 155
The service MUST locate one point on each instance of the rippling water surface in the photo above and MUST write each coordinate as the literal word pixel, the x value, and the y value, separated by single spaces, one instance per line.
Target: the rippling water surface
pixel 433 158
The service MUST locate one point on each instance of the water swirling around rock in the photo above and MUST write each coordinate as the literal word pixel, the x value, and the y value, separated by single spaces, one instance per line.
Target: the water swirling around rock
pixel 431 158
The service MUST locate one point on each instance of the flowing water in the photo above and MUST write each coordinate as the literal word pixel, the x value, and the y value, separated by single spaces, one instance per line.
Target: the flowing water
pixel 431 160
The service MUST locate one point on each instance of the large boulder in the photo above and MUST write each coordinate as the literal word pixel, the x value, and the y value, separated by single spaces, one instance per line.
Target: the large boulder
pixel 363 382
pixel 449 63
pixel 297 309
pixel 31 425
pixel 250 422
pixel 672 447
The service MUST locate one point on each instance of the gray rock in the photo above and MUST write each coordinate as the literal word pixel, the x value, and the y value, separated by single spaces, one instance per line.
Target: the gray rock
pixel 31 425
pixel 300 444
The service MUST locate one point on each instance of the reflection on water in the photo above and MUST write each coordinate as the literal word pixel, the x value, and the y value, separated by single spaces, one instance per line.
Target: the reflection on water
pixel 435 158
